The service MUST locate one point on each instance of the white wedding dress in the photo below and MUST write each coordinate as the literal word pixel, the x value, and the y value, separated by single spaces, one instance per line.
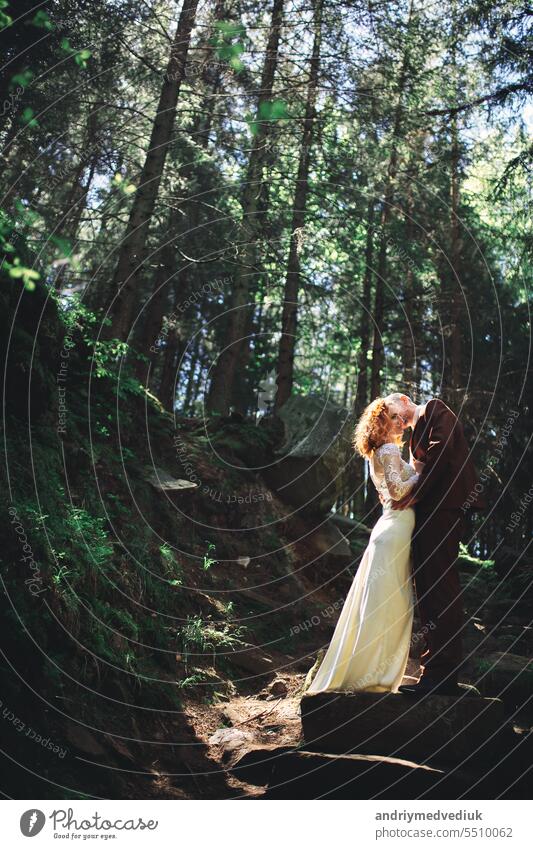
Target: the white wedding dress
pixel 369 649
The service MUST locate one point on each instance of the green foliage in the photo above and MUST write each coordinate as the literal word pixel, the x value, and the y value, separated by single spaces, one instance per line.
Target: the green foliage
pixel 171 567
pixel 19 272
pixel 198 636
pixel 469 560
pixel 42 20
pixel 268 111
pixel 209 561
pixel 5 20
pixel 229 43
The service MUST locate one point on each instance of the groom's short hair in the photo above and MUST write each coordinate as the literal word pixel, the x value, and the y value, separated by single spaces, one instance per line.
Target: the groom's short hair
pixel 396 396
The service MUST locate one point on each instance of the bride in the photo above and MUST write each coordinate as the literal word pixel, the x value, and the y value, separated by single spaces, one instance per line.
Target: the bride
pixel 369 649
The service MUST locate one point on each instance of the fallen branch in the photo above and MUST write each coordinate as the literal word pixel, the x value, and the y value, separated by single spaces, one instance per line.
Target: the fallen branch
pixel 263 713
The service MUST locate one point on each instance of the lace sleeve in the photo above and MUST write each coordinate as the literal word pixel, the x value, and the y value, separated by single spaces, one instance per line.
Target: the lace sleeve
pixel 391 460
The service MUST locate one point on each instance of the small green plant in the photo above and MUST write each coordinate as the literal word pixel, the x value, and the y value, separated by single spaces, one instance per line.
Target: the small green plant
pixel 172 569
pixel 192 637
pixel 209 561
pixel 483 666
pixel 62 572
pixel 191 681
pixel 198 636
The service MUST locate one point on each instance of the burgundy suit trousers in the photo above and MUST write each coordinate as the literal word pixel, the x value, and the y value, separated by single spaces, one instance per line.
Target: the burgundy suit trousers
pixel 435 548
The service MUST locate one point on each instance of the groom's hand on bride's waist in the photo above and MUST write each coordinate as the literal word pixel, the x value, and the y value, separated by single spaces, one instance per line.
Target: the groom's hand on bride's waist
pixel 403 503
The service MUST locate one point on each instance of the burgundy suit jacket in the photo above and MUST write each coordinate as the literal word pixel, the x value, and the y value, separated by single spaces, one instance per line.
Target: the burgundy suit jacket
pixel 448 480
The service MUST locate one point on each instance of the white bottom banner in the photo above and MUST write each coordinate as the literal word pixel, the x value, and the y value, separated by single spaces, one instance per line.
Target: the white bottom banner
pixel 253 823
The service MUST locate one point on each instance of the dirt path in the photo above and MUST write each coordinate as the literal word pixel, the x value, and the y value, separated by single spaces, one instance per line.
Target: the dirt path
pixel 269 718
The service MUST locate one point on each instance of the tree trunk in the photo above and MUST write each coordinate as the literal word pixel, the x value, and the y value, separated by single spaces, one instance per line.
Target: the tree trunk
pixel 174 351
pixel 361 396
pixel 451 280
pixel 386 211
pixel 155 308
pixel 455 248
pixel 361 399
pixel 153 323
pixel 221 389
pixel 189 389
pixel 75 204
pixel 127 275
pixel 408 318
pixel 289 319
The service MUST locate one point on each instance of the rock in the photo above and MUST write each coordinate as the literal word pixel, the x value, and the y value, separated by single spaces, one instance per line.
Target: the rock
pixel 253 660
pixel 163 481
pixel 329 541
pixel 82 739
pixel 317 446
pixel 508 561
pixel 255 766
pixel 312 775
pixel 278 688
pixel 230 740
pixel 257 597
pixel 350 527
pixel 507 675
pixel 120 748
pixel 478 639
pixel 438 728
pixel 496 611
pixel 298 773
pixel 506 640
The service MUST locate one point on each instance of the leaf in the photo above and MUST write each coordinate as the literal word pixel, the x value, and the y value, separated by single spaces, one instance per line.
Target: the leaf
pixel 226 48
pixel 231 30
pixel 23 79
pixel 64 245
pixel 279 110
pixel 28 215
pixel 5 20
pixel 81 58
pixel 27 275
pixel 27 117
pixel 272 110
pixel 42 20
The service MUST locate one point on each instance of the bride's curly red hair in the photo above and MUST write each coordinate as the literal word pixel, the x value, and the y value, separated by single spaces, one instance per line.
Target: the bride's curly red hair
pixel 374 428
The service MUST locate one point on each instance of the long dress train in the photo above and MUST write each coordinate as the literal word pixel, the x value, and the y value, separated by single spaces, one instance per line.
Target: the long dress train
pixel 369 649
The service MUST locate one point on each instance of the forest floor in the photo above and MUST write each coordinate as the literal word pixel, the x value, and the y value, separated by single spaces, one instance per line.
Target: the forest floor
pixel 270 719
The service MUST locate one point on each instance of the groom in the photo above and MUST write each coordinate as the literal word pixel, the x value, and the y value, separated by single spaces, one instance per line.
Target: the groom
pixel 447 480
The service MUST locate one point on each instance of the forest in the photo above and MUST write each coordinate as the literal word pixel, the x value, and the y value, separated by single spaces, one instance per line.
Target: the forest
pixel 225 228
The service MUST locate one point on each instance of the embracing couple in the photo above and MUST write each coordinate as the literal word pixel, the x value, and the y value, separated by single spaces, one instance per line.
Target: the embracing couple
pixel 416 538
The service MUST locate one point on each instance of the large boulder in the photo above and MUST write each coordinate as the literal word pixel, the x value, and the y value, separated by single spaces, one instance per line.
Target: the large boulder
pixel 301 774
pixel 508 675
pixel 438 728
pixel 308 472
